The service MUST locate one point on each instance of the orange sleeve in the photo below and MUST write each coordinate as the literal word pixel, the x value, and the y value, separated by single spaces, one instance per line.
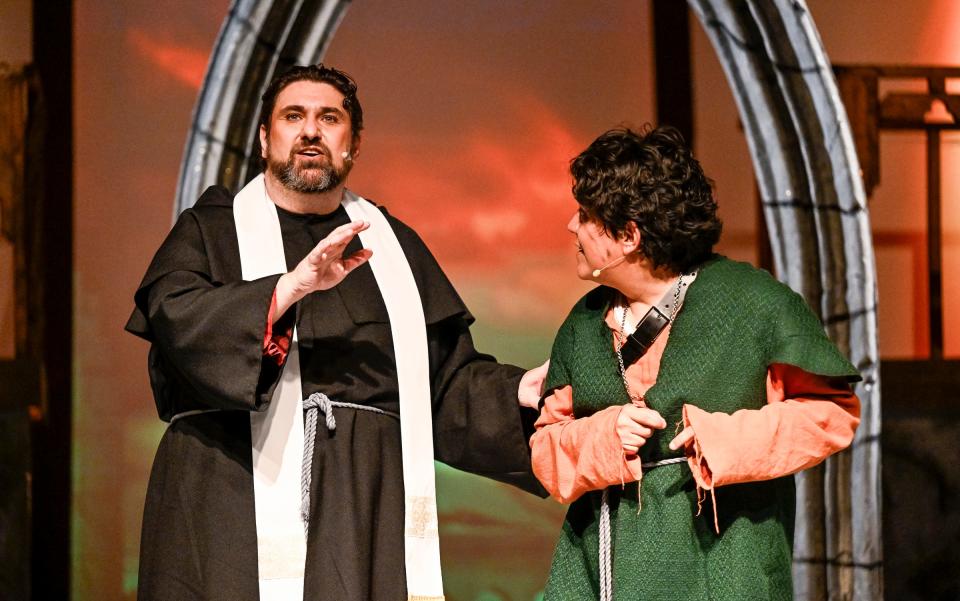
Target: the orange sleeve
pixel 807 418
pixel 573 456
pixel 276 345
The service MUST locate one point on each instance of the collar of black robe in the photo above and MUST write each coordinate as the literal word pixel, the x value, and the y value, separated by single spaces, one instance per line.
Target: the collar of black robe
pixel 656 320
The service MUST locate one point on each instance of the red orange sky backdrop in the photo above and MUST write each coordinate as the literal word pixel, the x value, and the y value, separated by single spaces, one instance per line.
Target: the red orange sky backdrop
pixel 473 110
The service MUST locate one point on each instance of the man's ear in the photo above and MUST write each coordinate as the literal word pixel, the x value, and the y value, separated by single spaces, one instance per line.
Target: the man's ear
pixel 263 142
pixel 355 146
pixel 630 238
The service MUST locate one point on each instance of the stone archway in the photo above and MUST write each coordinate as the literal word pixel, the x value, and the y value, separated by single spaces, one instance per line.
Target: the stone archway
pixel 815 208
pixel 809 183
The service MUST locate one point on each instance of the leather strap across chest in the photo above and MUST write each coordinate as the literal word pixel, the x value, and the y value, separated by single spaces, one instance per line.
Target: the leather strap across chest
pixel 656 320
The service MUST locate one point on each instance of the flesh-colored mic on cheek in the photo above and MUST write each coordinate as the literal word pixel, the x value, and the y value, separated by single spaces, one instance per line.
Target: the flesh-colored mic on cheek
pixel 597 272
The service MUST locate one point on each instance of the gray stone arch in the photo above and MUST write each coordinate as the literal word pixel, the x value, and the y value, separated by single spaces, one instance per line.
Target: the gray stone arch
pixel 815 209
pixel 808 177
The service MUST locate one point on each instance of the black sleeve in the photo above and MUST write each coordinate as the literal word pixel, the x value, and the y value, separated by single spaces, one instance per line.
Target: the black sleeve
pixel 479 426
pixel 207 333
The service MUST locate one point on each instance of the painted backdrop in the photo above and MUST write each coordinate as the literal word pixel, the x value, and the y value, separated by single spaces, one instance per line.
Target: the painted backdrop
pixel 473 110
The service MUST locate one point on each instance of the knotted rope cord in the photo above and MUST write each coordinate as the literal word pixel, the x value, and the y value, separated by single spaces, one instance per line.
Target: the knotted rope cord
pixel 606 559
pixel 606 578
pixel 605 542
pixel 652 464
pixel 320 401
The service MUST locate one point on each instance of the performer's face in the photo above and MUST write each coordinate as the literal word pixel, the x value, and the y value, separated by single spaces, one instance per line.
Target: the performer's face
pixel 595 247
pixel 309 133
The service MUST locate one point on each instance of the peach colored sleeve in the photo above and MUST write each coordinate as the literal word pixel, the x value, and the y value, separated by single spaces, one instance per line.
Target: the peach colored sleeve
pixel 807 418
pixel 572 456
pixel 276 344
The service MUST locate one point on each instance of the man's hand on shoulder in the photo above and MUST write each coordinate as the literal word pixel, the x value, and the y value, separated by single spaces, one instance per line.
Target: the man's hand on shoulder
pixel 323 268
pixel 531 386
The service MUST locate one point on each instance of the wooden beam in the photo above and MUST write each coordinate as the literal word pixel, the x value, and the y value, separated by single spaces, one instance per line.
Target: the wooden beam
pixel 21 384
pixel 51 434
pixel 672 63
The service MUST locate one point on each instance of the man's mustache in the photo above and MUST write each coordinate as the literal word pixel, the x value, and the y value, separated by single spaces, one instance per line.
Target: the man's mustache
pixel 320 149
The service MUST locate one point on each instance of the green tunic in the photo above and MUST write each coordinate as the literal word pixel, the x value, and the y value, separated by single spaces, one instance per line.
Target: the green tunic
pixel 736 321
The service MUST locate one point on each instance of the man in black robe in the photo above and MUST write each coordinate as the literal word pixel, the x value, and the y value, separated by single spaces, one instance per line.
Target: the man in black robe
pixel 218 345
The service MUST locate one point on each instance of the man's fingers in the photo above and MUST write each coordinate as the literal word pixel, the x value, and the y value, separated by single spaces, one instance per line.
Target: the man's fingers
pixel 543 383
pixel 356 260
pixel 334 244
pixel 645 417
pixel 639 431
pixel 318 254
pixel 635 425
pixel 348 230
pixel 633 439
pixel 682 439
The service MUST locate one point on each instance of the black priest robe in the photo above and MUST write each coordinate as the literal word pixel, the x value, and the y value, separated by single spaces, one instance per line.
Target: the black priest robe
pixel 206 327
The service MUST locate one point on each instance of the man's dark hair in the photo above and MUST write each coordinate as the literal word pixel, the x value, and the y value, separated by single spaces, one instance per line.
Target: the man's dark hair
pixel 321 74
pixel 651 179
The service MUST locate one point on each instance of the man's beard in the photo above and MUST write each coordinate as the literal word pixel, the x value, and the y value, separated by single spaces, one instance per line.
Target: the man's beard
pixel 319 174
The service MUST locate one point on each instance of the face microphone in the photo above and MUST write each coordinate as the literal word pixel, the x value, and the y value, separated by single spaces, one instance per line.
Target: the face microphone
pixel 597 272
pixel 346 155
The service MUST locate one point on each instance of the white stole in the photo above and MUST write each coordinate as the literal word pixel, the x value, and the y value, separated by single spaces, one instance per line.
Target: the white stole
pixel 277 433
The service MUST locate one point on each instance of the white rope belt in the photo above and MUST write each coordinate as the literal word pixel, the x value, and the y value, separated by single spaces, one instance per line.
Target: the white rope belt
pixel 605 544
pixel 311 406
pixel 652 464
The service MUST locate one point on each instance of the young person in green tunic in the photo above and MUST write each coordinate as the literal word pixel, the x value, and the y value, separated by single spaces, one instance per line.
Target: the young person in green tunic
pixel 683 393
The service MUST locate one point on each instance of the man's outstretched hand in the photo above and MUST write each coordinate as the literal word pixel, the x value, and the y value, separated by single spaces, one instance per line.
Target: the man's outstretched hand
pixel 323 268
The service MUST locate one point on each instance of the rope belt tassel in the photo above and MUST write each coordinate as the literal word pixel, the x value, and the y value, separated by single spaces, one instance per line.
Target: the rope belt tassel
pixel 605 542
pixel 606 563
pixel 311 406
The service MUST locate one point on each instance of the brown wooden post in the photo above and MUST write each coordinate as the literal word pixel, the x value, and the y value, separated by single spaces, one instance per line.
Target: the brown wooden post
pixel 19 375
pixel 672 66
pixel 51 222
pixel 934 240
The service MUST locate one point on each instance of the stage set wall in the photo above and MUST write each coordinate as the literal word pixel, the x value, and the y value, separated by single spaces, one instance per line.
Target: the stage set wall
pixel 473 111
pixel 15 51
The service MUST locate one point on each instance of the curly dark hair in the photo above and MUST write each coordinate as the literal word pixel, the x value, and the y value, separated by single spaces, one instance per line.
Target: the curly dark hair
pixel 651 179
pixel 321 74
